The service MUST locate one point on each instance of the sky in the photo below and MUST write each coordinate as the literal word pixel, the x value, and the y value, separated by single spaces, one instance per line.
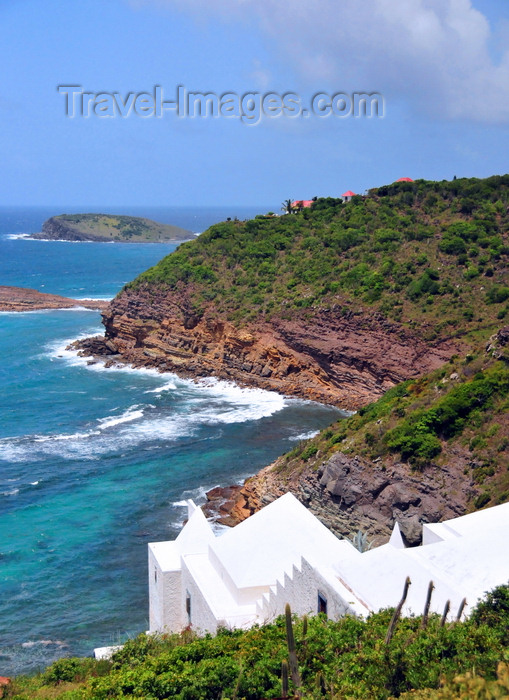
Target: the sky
pixel 440 67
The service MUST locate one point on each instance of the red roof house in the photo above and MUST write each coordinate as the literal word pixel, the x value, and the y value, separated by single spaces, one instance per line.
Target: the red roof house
pixel 405 179
pixel 347 196
pixel 302 203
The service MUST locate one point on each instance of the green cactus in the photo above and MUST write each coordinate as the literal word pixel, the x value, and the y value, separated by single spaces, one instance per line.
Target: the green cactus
pixel 397 612
pixel 445 613
pixel 284 678
pixel 424 621
pixel 460 609
pixel 292 654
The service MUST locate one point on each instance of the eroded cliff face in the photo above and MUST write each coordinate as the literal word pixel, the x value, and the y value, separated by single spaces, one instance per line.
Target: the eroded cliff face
pixel 348 493
pixel 333 356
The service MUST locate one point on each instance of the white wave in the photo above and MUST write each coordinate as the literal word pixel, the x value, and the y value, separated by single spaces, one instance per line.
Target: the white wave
pixel 17 236
pixel 48 311
pixel 12 492
pixel 43 642
pixel 234 404
pixel 169 386
pixel 34 483
pixel 304 436
pixel 208 402
pixel 58 240
pixel 131 414
pixel 58 348
pixel 166 428
pixel 65 436
pixel 199 494
pixel 92 298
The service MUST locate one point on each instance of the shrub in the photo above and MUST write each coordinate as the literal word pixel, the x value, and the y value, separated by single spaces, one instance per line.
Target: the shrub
pixel 497 295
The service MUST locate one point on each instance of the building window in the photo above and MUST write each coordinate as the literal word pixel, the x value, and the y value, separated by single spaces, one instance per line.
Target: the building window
pixel 188 606
pixel 155 575
pixel 322 604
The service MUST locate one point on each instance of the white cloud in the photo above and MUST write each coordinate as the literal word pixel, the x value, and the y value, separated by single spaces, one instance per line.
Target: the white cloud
pixel 434 53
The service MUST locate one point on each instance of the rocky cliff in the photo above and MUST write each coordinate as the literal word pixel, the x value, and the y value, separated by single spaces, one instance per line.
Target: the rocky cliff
pixel 334 357
pixel 351 493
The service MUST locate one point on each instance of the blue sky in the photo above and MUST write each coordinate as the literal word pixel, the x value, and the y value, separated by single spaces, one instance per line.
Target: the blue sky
pixel 441 65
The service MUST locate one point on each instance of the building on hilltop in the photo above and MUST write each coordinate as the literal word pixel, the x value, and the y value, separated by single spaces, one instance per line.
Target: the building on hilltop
pixel 300 204
pixel 404 179
pixel 347 196
pixel 283 554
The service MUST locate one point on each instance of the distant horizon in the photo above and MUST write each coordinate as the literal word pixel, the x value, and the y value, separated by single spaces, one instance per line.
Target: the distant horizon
pixel 95 207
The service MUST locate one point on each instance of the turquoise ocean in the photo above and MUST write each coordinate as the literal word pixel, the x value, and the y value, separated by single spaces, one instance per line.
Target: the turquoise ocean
pixel 94 462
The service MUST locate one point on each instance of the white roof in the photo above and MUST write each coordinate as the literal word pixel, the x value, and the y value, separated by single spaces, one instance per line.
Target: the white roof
pixel 194 538
pixel 262 547
pixel 472 558
pixel 472 524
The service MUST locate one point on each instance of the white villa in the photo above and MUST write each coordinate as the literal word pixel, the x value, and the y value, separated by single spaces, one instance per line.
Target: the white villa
pixel 283 554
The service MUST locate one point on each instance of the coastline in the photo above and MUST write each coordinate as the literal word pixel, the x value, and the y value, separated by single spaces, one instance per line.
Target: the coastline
pixel 22 299
pixel 42 239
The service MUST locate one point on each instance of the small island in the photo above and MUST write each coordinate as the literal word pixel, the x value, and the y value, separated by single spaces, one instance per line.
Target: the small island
pixel 107 228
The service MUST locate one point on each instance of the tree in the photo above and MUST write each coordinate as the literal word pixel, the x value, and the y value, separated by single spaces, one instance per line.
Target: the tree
pixel 287 206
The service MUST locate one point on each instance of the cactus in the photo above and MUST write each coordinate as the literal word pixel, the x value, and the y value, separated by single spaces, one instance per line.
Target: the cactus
pixel 360 541
pixel 397 612
pixel 445 613
pixel 284 678
pixel 424 621
pixel 292 654
pixel 460 609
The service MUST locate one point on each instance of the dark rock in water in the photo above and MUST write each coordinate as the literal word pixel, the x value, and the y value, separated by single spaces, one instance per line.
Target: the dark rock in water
pixel 97 345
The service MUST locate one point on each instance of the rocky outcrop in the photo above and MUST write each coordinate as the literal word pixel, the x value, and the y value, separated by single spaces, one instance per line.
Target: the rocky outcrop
pixel 24 299
pixel 349 494
pixel 335 356
pixel 56 229
pixel 105 228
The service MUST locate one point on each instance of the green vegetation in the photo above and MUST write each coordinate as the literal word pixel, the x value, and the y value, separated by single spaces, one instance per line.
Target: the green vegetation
pixel 431 255
pixel 349 658
pixel 460 409
pixel 105 227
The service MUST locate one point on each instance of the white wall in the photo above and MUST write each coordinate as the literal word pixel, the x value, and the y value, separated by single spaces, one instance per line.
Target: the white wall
pixel 202 617
pixel 300 589
pixel 165 598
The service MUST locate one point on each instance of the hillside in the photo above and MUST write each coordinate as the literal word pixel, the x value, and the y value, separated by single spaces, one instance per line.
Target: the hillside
pixel 107 228
pixel 337 303
pixel 430 449
pixel 429 255
pixel 343 303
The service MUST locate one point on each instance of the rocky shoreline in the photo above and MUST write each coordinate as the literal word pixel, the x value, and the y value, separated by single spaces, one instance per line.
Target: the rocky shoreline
pixel 349 493
pixel 337 358
pixel 21 299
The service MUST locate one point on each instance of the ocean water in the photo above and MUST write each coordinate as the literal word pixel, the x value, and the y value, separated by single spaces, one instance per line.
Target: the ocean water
pixel 95 462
